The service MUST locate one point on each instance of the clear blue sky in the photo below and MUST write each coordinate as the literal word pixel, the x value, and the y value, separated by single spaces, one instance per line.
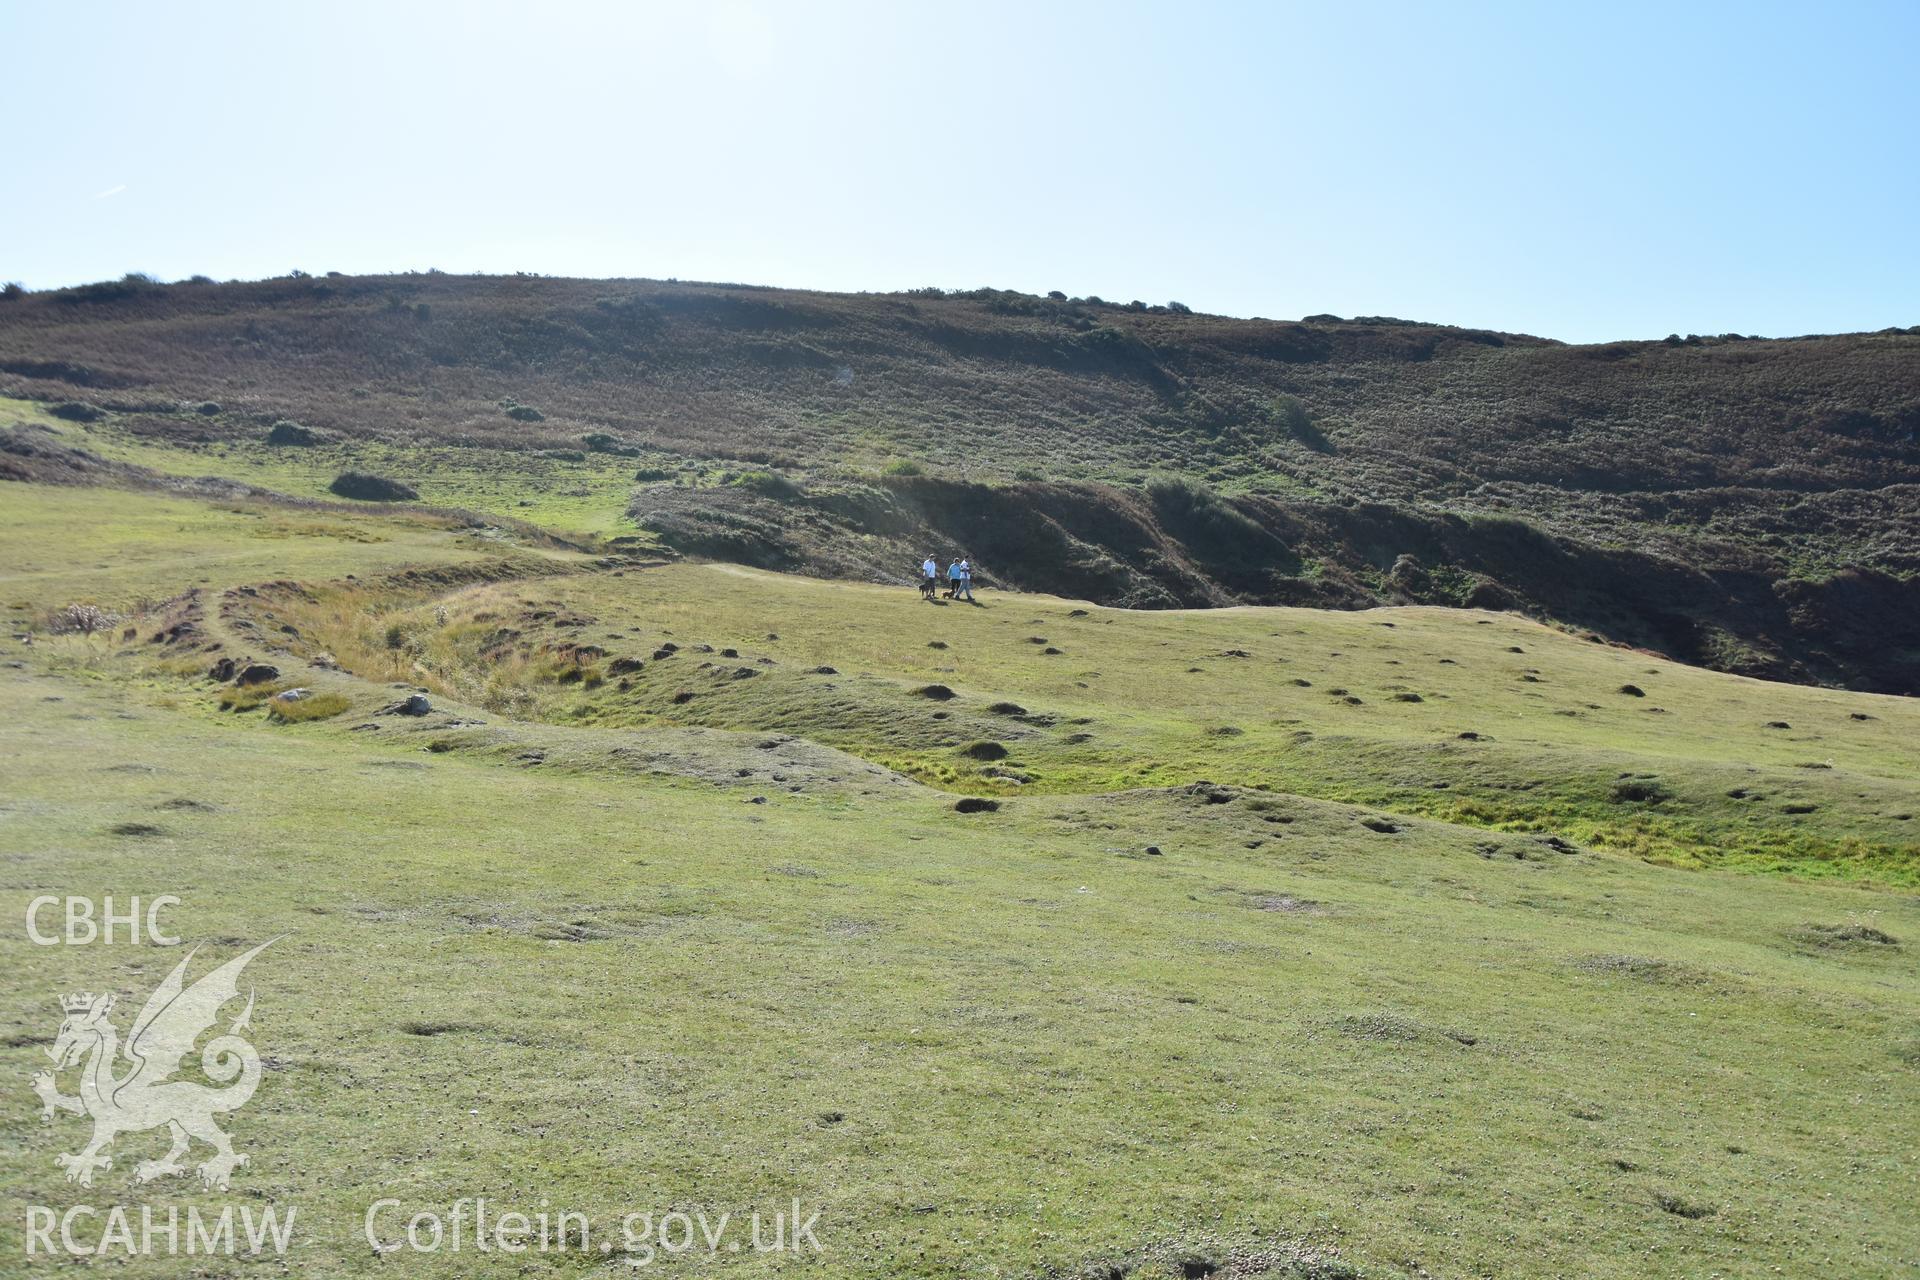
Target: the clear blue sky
pixel 1582 171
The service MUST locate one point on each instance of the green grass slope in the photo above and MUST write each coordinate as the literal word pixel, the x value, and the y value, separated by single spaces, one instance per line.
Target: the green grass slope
pixel 1476 718
pixel 1373 999
pixel 1009 1041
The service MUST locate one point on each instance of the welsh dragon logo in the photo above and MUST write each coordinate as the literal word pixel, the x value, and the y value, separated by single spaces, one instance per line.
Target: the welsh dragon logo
pixel 144 1095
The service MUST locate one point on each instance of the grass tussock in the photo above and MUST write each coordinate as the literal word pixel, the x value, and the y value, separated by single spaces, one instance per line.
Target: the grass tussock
pixel 319 706
pixel 250 697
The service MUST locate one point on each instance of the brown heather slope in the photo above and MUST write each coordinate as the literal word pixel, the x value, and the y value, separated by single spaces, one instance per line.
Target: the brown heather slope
pixel 1749 504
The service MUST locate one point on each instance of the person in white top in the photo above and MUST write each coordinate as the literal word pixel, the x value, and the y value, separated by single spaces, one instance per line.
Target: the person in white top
pixel 929 577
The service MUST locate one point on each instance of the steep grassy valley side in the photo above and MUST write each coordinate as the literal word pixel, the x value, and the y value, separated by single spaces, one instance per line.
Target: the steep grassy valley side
pixel 1752 505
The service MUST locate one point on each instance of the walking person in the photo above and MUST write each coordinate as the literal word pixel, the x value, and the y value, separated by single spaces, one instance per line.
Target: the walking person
pixel 953 579
pixel 929 577
pixel 963 588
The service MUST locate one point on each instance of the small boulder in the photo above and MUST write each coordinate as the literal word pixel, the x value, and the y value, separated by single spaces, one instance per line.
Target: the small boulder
pixel 937 692
pixel 256 673
pixel 415 705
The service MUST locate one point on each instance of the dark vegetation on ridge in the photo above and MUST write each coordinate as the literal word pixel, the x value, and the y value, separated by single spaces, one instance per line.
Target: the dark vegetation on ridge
pixel 1752 505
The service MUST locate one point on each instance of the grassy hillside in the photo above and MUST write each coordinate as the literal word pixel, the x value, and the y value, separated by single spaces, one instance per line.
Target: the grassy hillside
pixel 1470 933
pixel 1475 718
pixel 1258 967
pixel 1732 502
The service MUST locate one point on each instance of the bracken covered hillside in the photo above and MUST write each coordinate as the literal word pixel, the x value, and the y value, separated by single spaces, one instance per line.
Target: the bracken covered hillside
pixel 1749 504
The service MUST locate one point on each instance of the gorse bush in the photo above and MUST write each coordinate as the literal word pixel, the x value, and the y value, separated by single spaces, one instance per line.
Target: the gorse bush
pixel 1291 414
pixel 1202 515
pixel 602 442
pixel 364 487
pixel 134 284
pixel 289 434
pixel 768 484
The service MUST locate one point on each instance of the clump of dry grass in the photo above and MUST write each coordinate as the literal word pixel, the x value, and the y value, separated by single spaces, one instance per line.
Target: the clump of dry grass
pixel 249 697
pixel 320 706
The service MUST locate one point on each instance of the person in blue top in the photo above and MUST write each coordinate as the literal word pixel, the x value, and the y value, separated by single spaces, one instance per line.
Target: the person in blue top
pixel 953 579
